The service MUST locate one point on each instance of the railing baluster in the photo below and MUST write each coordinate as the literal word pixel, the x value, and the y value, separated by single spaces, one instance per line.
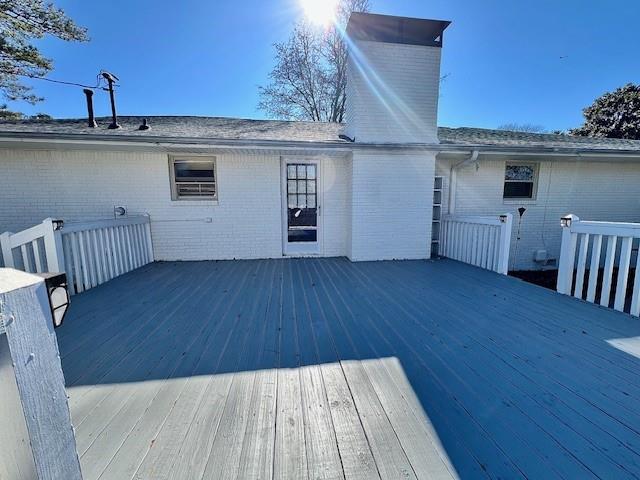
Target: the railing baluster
pixel 582 261
pixel 68 264
pixel 115 245
pixel 132 246
pixel 123 250
pixel 608 270
pixel 623 273
pixel 86 274
pixel 126 258
pixel 487 245
pixel 25 258
pixel 481 246
pixel 104 272
pixel 36 256
pixel 127 240
pixel 91 257
pixel 143 244
pixel 107 253
pixel 97 255
pixel 472 246
pixel 496 249
pixel 490 258
pixel 594 269
pixel 76 262
pixel 635 299
pixel 139 249
pixel 469 243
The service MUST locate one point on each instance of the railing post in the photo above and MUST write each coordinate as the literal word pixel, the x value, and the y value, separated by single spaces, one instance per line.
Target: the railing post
pixel 567 254
pixel 506 222
pixel 7 251
pixel 53 245
pixel 26 316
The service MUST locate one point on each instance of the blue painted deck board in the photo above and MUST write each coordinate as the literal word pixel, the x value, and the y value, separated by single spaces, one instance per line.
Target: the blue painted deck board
pixel 322 368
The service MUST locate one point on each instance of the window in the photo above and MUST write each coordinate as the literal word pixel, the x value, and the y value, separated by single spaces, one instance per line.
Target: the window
pixel 302 202
pixel 193 179
pixel 520 180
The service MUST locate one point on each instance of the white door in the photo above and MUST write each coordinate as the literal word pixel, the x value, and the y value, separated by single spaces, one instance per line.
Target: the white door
pixel 301 193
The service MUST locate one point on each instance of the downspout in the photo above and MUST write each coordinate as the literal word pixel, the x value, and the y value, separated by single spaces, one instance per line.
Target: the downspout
pixel 453 179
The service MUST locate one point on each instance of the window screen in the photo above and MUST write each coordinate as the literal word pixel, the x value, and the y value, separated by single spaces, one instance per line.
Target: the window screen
pixel 520 180
pixel 194 179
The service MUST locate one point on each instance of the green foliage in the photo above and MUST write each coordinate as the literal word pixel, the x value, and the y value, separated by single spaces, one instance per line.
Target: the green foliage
pixel 6 114
pixel 41 116
pixel 21 22
pixel 613 115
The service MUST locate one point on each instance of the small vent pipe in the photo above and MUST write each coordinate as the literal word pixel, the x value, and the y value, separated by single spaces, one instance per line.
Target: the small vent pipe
pixel 91 120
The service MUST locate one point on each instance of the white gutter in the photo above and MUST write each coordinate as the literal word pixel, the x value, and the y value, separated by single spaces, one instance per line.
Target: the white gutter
pixel 453 179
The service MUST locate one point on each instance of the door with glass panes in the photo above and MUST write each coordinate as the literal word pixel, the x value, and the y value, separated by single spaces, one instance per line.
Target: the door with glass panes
pixel 301 195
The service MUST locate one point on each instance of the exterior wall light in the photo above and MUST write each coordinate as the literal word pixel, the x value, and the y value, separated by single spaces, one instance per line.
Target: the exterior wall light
pixel 57 224
pixel 566 221
pixel 56 284
pixel 503 219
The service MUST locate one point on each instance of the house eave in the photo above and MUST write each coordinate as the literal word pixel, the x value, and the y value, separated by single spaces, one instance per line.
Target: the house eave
pixel 467 149
pixel 162 143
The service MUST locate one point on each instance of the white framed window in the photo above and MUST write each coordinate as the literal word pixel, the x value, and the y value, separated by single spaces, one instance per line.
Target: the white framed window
pixel 193 178
pixel 520 181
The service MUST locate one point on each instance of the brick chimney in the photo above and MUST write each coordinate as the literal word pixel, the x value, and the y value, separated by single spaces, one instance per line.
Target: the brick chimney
pixel 393 78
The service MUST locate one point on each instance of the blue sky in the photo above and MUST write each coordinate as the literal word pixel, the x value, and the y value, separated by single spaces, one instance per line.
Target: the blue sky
pixel 536 62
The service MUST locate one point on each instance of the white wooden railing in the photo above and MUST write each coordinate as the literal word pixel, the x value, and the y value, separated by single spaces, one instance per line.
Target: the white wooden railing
pixel 587 239
pixel 39 248
pixel 482 241
pixel 90 253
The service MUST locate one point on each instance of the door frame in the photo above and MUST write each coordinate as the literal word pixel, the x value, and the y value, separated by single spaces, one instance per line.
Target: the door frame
pixel 301 249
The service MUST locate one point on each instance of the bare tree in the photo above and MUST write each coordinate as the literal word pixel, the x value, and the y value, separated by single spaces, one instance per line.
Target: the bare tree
pixel 309 79
pixel 523 127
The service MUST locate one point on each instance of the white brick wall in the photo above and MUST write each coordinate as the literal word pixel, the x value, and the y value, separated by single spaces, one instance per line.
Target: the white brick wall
pixel 606 191
pixel 392 199
pixel 246 223
pixel 336 219
pixel 392 93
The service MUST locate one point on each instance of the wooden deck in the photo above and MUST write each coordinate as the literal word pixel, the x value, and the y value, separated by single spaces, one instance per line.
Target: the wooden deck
pixel 320 368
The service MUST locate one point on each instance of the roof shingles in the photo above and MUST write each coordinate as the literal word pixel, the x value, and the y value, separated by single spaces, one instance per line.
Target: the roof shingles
pixel 220 128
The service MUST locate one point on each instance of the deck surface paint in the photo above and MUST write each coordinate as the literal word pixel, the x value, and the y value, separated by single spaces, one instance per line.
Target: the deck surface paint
pixel 327 369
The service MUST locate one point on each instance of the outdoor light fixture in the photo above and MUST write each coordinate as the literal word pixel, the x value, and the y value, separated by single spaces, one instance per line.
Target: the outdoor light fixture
pixel 57 224
pixel 119 211
pixel 565 221
pixel 503 219
pixel 58 292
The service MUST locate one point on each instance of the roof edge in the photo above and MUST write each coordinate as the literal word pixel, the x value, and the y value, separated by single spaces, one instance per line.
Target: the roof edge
pixel 84 139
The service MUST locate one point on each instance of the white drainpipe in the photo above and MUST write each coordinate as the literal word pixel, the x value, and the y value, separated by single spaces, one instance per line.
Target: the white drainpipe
pixel 453 179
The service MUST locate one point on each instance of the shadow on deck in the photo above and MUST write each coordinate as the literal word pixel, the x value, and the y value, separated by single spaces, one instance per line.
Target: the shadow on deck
pixel 322 368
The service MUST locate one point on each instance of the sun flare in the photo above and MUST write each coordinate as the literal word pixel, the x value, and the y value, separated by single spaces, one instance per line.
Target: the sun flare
pixel 320 12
